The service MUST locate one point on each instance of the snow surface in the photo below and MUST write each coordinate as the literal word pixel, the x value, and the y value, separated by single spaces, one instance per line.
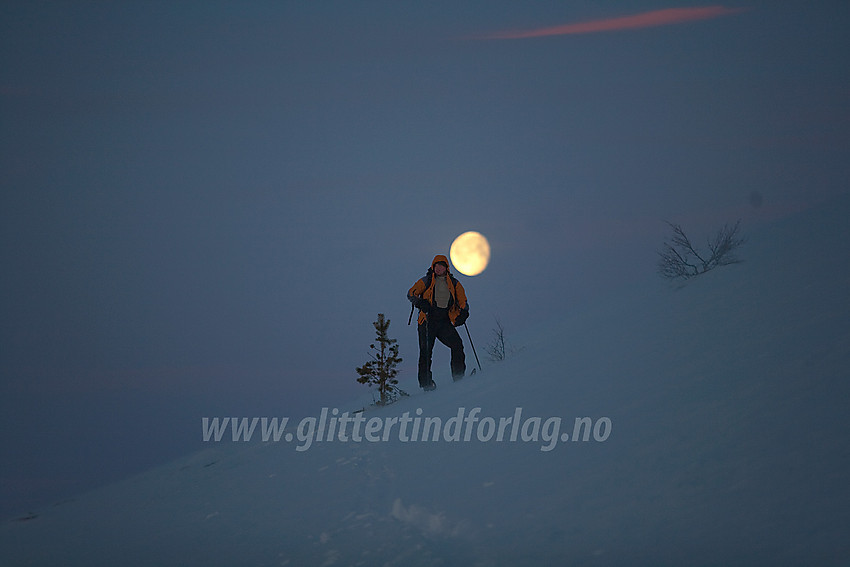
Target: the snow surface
pixel 728 400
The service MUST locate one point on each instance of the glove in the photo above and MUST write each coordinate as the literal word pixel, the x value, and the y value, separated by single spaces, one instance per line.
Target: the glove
pixel 421 303
pixel 461 318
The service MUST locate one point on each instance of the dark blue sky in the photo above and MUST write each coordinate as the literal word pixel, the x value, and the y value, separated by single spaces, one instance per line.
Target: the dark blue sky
pixel 205 204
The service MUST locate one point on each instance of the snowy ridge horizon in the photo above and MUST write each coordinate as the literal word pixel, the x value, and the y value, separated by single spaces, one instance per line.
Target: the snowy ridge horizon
pixel 726 444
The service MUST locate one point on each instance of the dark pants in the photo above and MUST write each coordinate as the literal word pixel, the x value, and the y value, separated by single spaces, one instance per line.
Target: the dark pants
pixel 439 326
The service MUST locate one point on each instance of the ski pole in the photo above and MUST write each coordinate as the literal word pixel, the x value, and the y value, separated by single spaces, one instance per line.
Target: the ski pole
pixel 409 319
pixel 473 346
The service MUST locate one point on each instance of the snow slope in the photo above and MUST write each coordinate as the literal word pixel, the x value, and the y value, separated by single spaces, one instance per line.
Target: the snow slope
pixel 728 404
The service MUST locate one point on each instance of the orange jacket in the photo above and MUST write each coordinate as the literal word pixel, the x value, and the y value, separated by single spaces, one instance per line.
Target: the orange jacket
pixel 424 288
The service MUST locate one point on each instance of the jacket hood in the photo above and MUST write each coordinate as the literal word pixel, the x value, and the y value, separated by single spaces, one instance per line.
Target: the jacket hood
pixel 439 258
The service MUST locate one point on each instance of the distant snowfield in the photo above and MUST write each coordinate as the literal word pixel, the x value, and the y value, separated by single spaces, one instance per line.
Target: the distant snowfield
pixel 727 445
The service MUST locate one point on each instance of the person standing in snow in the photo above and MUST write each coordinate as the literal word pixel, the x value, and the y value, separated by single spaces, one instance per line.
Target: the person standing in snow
pixel 442 305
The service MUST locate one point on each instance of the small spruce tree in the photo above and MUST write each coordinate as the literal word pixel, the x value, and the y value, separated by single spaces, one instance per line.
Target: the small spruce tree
pixel 381 370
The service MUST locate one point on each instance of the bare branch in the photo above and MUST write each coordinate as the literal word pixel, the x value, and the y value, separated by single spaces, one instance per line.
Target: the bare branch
pixel 496 347
pixel 679 259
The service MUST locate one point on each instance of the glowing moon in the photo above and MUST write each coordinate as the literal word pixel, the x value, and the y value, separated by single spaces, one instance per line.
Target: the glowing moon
pixel 470 253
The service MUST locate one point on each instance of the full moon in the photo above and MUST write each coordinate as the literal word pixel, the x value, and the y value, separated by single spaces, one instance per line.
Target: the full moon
pixel 470 253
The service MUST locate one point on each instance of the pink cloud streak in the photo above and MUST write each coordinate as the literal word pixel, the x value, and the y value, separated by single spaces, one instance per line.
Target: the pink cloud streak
pixel 654 18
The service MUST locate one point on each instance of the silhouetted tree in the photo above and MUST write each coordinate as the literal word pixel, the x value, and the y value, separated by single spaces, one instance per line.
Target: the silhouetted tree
pixel 381 370
pixel 679 259
pixel 497 349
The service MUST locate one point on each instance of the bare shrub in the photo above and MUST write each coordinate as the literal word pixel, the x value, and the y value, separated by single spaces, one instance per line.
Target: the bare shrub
pixel 680 259
pixel 497 349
